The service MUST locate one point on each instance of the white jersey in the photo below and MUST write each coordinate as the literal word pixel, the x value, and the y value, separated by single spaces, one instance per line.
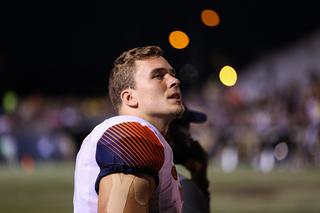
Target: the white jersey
pixel 126 144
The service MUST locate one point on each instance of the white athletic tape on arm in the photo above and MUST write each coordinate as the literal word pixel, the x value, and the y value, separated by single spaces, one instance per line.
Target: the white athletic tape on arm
pixel 119 193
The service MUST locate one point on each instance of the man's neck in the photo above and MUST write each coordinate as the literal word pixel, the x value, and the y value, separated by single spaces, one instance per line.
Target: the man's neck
pixel 161 125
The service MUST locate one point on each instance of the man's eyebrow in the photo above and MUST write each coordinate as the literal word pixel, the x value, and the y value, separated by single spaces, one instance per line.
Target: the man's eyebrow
pixel 171 71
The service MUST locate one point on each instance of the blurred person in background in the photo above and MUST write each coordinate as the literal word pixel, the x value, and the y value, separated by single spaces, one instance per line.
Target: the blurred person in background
pixel 190 154
pixel 312 135
pixel 125 164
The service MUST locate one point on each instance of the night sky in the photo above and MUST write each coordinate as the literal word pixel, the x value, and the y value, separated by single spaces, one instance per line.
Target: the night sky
pixel 68 47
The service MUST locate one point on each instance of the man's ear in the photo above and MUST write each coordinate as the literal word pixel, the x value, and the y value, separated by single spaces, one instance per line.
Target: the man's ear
pixel 128 98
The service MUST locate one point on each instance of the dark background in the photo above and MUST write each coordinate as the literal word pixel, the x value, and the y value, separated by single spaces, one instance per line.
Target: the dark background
pixel 68 47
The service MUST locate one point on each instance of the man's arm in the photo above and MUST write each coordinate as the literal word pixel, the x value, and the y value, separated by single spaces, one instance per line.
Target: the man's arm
pixel 120 193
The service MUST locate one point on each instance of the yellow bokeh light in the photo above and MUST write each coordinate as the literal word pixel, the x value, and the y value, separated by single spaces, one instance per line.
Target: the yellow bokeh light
pixel 178 39
pixel 210 18
pixel 228 76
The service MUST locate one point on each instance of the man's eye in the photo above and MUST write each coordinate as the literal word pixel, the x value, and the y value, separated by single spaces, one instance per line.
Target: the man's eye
pixel 158 76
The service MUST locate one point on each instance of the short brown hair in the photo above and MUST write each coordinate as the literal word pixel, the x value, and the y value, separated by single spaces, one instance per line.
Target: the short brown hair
pixel 122 75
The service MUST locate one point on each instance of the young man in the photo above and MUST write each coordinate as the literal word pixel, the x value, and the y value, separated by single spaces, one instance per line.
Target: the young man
pixel 125 164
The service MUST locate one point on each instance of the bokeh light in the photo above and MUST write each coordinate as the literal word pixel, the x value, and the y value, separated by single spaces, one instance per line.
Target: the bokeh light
pixel 27 163
pixel 178 39
pixel 210 18
pixel 189 73
pixel 281 151
pixel 228 76
pixel 10 101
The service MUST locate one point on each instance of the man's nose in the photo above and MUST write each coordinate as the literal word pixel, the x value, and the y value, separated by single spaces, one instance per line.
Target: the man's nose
pixel 173 82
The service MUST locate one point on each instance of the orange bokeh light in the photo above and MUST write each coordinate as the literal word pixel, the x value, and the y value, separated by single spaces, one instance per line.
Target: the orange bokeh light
pixel 178 39
pixel 210 18
pixel 27 163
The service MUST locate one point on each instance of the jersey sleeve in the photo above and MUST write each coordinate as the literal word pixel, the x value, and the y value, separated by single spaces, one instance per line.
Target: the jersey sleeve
pixel 129 148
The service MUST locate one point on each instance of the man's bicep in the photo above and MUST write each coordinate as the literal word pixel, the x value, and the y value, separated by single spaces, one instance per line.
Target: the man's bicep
pixel 125 193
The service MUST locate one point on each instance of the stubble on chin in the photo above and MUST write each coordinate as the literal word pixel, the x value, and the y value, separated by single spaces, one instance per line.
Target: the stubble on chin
pixel 179 111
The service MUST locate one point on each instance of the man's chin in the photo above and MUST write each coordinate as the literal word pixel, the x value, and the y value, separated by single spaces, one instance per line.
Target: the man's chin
pixel 178 111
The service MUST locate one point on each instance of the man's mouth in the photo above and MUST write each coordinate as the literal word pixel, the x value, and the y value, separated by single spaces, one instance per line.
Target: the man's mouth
pixel 175 95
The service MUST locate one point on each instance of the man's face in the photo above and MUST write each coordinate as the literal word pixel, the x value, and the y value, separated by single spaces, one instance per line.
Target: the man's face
pixel 157 89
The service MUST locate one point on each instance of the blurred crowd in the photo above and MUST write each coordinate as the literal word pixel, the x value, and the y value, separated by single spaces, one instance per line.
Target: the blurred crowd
pixel 280 128
pixel 49 129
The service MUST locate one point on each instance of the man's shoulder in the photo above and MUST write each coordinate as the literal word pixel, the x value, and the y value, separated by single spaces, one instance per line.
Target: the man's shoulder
pixel 131 143
pixel 131 126
pixel 130 134
pixel 115 121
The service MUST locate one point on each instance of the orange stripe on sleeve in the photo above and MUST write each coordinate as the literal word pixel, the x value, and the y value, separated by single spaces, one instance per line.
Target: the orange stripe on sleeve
pixel 156 147
pixel 134 149
pixel 134 145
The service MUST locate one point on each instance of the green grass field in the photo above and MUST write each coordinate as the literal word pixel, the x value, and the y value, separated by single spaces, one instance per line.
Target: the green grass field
pixel 50 189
